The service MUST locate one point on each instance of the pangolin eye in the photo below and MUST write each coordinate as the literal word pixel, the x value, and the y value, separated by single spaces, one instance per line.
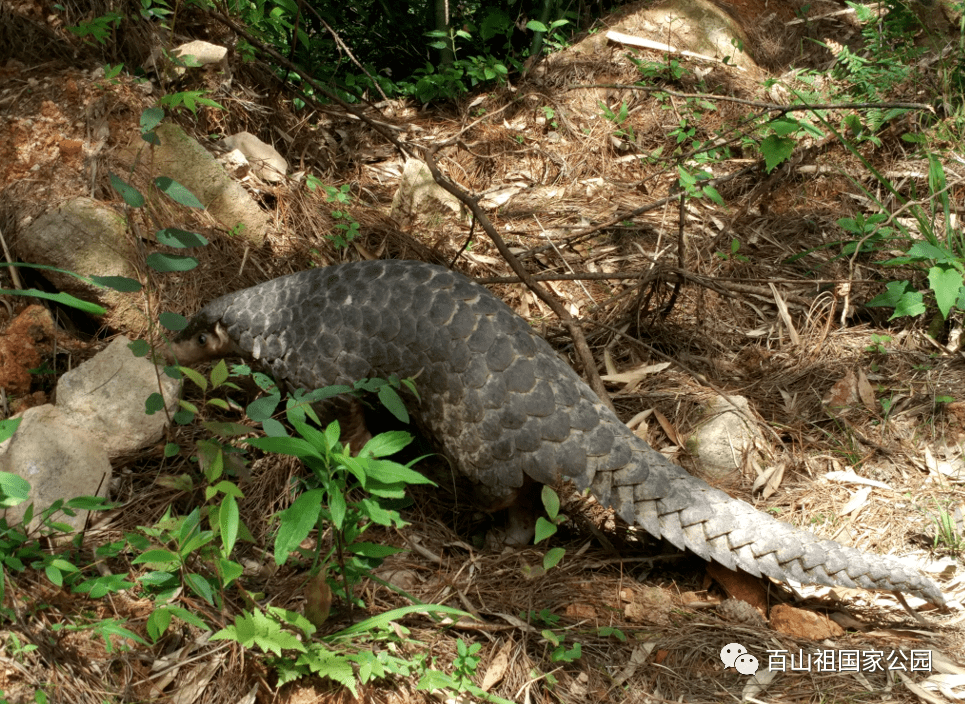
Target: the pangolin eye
pixel 202 339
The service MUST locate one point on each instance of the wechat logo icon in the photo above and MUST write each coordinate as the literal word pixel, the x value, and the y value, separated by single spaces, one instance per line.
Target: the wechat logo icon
pixel 735 655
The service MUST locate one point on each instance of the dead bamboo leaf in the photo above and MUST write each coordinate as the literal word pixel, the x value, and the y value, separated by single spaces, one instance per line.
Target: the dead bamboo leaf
pixel 638 657
pixel 636 375
pixel 638 419
pixel 667 427
pixel 849 477
pixel 785 316
pixel 770 480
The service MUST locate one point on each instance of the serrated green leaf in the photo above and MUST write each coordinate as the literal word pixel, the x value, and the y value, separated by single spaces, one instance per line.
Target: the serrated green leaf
pixel 157 557
pixel 111 627
pixel 261 409
pixel 713 195
pixel 187 617
pixel 158 622
pixel 274 428
pixel 389 472
pixel 332 433
pixel 297 521
pixel 13 488
pixel 337 509
pixel 200 586
pixel 894 290
pixel 89 503
pixel 926 250
pixel 377 623
pixel 8 427
pixel 776 150
pixel 54 575
pixel 911 304
pixel 374 550
pixel 219 374
pixel 376 512
pixel 783 126
pixel 229 571
pixel 195 377
pixel 387 443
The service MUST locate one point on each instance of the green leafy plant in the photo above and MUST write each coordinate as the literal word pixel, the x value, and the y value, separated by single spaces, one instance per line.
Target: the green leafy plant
pixel 466 662
pixel 889 53
pixel 99 29
pixel 868 232
pixel 619 119
pixel 690 183
pixel 733 255
pixel 948 530
pixel 943 260
pixel 546 527
pixel 188 100
pixel 781 136
pixel 878 343
pixel 347 227
pixel 111 73
pixel 552 636
pixel 460 680
pixel 559 652
pixel 17 648
pixel 652 71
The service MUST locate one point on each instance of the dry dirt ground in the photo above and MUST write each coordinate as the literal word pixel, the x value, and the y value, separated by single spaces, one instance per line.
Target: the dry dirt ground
pixel 790 336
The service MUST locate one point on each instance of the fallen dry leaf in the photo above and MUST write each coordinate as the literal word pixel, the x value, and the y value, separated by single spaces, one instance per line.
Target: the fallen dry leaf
pixel 498 667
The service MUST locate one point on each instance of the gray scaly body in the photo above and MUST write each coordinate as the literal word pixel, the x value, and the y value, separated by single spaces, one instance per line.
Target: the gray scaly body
pixel 507 408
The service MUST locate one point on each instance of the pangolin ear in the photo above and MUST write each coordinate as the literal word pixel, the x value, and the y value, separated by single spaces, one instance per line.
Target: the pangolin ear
pixel 225 344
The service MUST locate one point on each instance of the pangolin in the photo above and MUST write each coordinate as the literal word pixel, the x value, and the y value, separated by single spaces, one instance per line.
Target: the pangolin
pixel 507 409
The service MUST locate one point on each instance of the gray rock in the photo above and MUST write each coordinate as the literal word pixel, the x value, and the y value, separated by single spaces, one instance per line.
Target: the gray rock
pixel 64 450
pixel 721 441
pixel 109 391
pixel 267 163
pixel 181 157
pixel 88 238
